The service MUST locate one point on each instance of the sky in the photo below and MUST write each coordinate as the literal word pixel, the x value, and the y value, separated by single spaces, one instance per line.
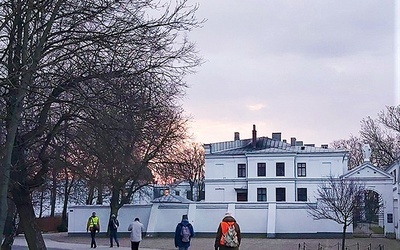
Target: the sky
pixel 309 69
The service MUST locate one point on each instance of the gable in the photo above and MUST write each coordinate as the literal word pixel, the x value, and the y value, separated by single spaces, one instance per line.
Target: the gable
pixel 367 170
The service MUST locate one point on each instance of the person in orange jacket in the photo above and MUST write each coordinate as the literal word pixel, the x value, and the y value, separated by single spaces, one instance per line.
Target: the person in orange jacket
pixel 228 234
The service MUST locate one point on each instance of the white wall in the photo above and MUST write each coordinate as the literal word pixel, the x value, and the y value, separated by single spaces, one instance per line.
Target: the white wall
pixel 162 218
pixel 78 216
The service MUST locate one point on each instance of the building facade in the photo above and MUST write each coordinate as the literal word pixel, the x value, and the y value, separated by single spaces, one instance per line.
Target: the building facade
pixel 265 169
pixel 268 185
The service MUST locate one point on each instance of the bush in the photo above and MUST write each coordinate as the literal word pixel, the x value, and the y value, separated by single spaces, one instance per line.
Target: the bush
pixel 62 228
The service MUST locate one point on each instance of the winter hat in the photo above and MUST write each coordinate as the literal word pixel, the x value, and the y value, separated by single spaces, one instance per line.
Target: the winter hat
pixel 184 217
pixel 228 213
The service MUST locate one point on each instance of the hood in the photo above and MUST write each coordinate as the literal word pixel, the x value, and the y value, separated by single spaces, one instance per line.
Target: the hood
pixel 185 222
pixel 228 219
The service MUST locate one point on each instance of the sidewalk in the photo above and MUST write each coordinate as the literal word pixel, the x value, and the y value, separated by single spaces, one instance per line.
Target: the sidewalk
pixel 61 241
pixel 20 244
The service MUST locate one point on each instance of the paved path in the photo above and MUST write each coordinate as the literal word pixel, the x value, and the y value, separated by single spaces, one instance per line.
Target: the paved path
pixel 61 241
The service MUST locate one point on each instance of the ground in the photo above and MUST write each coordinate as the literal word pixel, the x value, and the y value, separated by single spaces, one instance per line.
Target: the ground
pixel 247 243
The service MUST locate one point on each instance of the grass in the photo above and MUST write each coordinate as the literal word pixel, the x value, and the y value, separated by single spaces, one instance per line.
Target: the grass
pixel 376 229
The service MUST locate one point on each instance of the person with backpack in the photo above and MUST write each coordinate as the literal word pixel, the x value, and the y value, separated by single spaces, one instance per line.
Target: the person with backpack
pixel 183 233
pixel 93 225
pixel 136 228
pixel 228 234
pixel 113 225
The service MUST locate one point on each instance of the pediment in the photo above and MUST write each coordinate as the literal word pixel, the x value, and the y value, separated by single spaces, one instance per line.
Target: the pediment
pixel 367 170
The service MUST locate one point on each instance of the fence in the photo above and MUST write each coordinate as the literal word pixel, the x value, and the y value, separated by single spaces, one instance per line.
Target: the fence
pixel 338 246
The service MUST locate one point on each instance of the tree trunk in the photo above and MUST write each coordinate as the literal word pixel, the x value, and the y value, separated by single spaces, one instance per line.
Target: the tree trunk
pixel 67 191
pixel 26 213
pixel 53 196
pixel 99 200
pixel 344 237
pixel 10 228
pixel 90 196
pixel 5 163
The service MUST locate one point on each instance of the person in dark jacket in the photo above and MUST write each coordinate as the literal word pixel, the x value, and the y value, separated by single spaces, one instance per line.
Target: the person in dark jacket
pixel 113 225
pixel 182 245
pixel 222 229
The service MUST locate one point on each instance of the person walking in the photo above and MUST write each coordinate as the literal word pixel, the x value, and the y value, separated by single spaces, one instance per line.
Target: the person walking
pixel 183 234
pixel 113 225
pixel 228 234
pixel 93 225
pixel 136 228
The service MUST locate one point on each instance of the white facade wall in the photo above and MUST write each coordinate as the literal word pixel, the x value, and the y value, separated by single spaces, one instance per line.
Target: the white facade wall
pixel 254 218
pixel 222 175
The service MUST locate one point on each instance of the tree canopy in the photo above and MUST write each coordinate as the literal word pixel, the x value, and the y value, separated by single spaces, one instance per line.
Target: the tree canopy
pixel 71 69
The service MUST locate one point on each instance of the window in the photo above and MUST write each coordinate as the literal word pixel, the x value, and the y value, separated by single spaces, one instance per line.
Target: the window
pixel 280 169
pixel 302 194
pixel 241 170
pixel 241 196
pixel 280 194
pixel 261 194
pixel 301 169
pixel 395 176
pixel 389 218
pixel 261 169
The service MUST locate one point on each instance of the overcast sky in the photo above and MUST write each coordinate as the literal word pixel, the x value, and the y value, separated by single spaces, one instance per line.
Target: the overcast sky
pixel 310 69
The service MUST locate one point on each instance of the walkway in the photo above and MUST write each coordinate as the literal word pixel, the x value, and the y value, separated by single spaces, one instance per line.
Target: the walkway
pixel 61 241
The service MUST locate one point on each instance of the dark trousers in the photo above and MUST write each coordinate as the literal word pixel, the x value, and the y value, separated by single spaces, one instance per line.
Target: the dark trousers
pixel 93 235
pixel 135 245
pixel 113 236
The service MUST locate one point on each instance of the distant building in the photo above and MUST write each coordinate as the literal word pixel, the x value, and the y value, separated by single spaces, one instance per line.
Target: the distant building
pixel 275 172
pixel 263 169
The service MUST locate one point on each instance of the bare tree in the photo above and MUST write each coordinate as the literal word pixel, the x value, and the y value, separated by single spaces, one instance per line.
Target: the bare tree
pixel 381 133
pixel 184 163
pixel 383 139
pixel 54 54
pixel 338 199
pixel 354 146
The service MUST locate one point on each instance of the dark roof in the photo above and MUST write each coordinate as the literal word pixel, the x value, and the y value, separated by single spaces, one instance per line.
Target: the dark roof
pixel 268 145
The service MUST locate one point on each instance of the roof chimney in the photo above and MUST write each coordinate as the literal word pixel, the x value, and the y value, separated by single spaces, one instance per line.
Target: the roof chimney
pixel 254 138
pixel 276 136
pixel 293 141
pixel 236 136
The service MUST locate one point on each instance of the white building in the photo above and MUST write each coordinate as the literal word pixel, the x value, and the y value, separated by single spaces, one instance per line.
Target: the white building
pixel 265 169
pixel 267 184
pixel 284 176
pixel 394 170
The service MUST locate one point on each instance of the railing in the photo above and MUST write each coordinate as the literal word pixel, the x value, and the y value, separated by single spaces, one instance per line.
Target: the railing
pixel 357 246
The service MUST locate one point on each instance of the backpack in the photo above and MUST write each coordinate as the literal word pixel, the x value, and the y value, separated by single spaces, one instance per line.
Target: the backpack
pixel 185 233
pixel 230 237
pixel 115 224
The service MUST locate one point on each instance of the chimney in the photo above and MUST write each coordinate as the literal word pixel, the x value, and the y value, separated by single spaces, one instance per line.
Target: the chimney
pixel 254 138
pixel 236 136
pixel 293 141
pixel 276 136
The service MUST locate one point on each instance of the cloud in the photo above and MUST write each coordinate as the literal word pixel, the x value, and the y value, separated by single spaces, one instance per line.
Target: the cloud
pixel 255 107
pixel 311 69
